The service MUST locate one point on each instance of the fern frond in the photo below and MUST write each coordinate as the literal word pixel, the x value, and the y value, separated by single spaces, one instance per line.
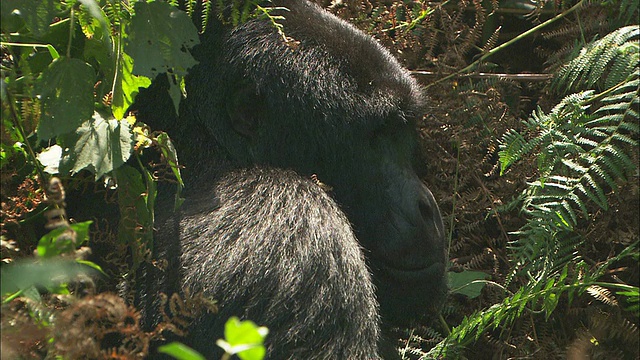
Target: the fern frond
pixel 189 6
pixel 542 294
pixel 602 63
pixel 585 148
pixel 232 12
pixel 511 150
pixel 206 13
pixel 603 295
pixel 580 150
pixel 492 41
pixel 113 11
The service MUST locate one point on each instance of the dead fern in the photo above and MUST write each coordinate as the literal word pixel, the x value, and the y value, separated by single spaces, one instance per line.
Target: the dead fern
pixel 179 311
pixel 603 295
pixel 98 327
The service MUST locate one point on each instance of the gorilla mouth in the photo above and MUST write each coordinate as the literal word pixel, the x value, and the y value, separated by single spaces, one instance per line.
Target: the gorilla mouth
pixel 412 274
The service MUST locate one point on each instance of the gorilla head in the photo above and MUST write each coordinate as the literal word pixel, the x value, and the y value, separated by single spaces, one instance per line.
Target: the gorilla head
pixel 330 101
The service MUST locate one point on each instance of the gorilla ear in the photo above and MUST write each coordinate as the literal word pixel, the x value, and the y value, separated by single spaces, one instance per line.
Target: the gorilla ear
pixel 245 111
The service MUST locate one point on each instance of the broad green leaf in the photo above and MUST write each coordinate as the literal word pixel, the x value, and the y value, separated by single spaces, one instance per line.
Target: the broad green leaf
pixel 23 274
pixel 99 145
pixel 550 302
pixel 180 351
pixel 61 240
pixel 244 339
pixel 175 92
pixel 463 283
pixel 159 38
pixel 170 154
pixel 66 90
pixel 126 87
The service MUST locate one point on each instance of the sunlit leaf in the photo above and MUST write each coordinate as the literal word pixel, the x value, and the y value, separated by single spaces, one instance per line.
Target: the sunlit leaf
pixel 244 339
pixel 100 145
pixel 180 351
pixel 159 38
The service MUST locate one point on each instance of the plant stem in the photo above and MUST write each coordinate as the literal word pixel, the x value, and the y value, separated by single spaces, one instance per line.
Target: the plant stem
pixel 71 22
pixel 606 93
pixel 444 324
pixel 118 46
pixel 453 206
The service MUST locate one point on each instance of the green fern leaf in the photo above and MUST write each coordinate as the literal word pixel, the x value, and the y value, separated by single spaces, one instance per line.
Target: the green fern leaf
pixel 207 7
pixel 604 175
pixel 602 63
pixel 605 53
pixel 572 165
pixel 630 127
pixel 575 199
pixel 588 142
pixel 613 169
pixel 597 196
pixel 511 149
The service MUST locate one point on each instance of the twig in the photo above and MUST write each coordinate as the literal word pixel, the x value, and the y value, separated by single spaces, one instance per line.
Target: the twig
pixel 525 77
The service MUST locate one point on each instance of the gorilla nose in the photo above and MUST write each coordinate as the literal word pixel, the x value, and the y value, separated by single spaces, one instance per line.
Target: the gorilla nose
pixel 429 211
pixel 419 237
pixel 430 229
pixel 426 208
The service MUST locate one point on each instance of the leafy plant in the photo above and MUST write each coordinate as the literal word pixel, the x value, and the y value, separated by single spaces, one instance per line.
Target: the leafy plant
pixel 468 283
pixel 70 70
pixel 584 149
pixel 602 65
pixel 242 338
pixel 90 64
pixel 583 145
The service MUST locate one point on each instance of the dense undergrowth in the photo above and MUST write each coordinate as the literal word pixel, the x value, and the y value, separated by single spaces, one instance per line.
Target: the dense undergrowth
pixel 536 173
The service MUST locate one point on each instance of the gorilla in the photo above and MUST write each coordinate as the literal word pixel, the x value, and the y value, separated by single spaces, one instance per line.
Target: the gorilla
pixel 262 115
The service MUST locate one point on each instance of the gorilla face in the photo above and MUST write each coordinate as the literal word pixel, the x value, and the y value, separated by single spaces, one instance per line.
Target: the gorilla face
pixel 398 222
pixel 331 102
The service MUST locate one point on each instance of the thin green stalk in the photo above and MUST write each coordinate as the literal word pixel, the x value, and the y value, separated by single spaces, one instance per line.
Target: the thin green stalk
pixel 13 296
pixel 118 49
pixel 455 196
pixel 444 325
pixel 605 93
pixel 493 51
pixel 71 22
pixel 52 51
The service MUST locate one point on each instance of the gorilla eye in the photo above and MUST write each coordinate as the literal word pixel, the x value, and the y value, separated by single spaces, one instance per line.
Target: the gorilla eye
pixel 392 126
pixel 382 132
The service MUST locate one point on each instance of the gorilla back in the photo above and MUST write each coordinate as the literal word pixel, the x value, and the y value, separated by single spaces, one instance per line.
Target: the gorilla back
pixel 330 102
pixel 272 247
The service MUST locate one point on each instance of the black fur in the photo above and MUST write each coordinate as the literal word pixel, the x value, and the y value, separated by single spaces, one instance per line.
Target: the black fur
pixel 334 103
pixel 272 247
